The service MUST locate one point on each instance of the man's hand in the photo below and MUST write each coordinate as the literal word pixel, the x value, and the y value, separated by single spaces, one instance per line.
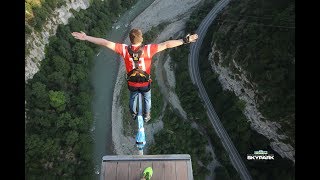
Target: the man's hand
pixel 79 35
pixel 193 38
pixel 190 38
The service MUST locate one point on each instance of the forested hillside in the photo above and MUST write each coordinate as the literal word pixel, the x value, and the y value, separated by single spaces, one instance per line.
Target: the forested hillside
pixel 272 50
pixel 260 37
pixel 256 40
pixel 58 141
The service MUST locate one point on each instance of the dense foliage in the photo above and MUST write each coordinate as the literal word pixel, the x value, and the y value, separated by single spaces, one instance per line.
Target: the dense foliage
pixel 179 137
pixel 230 111
pixel 192 104
pixel 260 37
pixel 58 141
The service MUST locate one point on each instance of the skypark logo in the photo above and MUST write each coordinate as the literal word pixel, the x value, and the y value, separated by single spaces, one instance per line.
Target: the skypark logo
pixel 260 155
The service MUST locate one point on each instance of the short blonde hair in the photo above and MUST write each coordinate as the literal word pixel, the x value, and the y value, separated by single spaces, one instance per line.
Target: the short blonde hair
pixel 135 36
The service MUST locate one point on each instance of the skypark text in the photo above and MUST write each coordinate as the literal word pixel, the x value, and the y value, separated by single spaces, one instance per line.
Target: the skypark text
pixel 260 155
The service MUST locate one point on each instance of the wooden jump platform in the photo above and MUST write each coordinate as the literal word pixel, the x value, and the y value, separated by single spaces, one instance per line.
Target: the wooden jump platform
pixel 130 167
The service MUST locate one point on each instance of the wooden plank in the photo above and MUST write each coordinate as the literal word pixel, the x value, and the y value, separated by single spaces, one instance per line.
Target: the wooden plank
pixel 134 170
pixel 122 170
pixel 111 170
pixel 169 170
pixel 181 170
pixel 158 170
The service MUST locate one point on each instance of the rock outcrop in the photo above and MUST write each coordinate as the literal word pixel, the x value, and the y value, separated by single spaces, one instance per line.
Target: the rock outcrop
pixel 35 43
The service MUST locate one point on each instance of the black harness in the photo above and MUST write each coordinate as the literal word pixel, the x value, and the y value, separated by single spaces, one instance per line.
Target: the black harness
pixel 137 74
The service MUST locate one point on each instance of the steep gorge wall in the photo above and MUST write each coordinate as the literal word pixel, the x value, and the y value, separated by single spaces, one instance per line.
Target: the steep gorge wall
pixel 35 43
pixel 245 90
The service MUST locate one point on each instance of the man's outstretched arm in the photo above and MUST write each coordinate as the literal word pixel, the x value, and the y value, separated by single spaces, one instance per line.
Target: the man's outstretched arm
pixel 175 43
pixel 99 41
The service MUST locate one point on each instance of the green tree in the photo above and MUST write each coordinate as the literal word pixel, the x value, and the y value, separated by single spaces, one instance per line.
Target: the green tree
pixel 78 73
pixel 127 3
pixel 61 65
pixel 115 5
pixel 58 100
pixel 77 24
pixel 65 48
pixel 81 53
pixel 63 119
pixel 51 149
pixel 33 149
pixel 40 95
pixel 72 137
pixel 57 80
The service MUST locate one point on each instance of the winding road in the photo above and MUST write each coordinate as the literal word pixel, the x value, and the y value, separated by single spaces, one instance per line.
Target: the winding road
pixel 195 77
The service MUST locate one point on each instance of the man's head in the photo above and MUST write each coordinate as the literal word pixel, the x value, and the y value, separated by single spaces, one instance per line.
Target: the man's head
pixel 135 36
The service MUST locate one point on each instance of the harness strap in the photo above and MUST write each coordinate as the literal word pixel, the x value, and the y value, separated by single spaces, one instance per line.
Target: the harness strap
pixel 137 74
pixel 135 54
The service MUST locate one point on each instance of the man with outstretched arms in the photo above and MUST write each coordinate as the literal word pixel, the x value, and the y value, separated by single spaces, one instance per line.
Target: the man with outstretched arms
pixel 137 59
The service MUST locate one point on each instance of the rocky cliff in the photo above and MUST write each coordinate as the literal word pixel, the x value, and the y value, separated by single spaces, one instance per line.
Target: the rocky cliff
pixel 246 91
pixel 35 43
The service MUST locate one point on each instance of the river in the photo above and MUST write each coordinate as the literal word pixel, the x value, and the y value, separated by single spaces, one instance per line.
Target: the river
pixel 103 77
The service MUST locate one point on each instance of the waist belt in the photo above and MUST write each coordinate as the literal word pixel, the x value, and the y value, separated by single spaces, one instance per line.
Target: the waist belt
pixel 138 75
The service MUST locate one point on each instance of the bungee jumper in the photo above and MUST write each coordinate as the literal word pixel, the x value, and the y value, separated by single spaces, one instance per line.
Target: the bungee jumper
pixel 137 59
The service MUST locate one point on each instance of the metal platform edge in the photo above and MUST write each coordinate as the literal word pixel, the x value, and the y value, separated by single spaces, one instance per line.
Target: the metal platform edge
pixel 146 157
